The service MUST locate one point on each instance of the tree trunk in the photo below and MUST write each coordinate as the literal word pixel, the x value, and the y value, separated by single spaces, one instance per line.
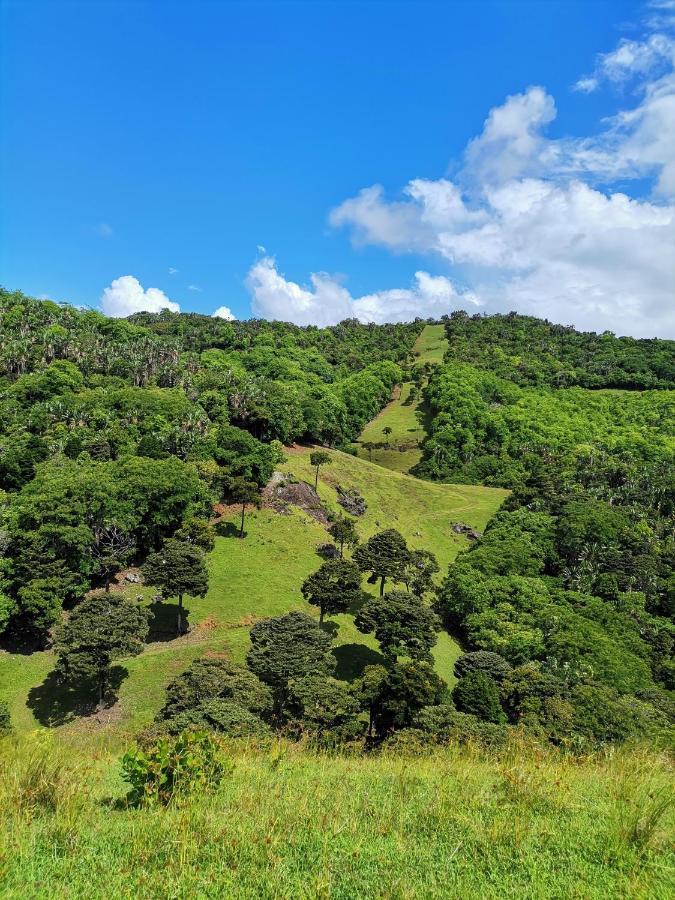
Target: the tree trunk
pixel 321 615
pixel 316 479
pixel 342 543
pixel 243 512
pixel 107 582
pixel 180 614
pixel 382 580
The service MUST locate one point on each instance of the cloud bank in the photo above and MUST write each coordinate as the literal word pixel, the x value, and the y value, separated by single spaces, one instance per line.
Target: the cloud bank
pixel 126 296
pixel 326 301
pixel 529 223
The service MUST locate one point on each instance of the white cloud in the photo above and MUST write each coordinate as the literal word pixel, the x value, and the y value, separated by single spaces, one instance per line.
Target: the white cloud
pixel 194 287
pixel 527 222
pixel 224 312
pixel 326 301
pixel 126 296
pixel 104 230
pixel 172 271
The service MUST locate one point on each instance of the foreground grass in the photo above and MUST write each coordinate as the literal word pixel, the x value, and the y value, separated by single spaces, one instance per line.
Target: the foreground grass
pixel 290 823
pixel 250 579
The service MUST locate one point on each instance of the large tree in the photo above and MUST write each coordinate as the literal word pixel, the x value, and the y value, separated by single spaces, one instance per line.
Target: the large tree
pixel 402 623
pixel 333 587
pixel 286 647
pixel 178 569
pixel 101 629
pixel 408 687
pixel 384 555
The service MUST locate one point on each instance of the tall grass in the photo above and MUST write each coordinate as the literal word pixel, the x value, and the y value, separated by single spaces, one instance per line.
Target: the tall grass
pixel 288 822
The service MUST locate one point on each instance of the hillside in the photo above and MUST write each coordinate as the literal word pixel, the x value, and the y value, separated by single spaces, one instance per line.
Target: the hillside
pixel 253 578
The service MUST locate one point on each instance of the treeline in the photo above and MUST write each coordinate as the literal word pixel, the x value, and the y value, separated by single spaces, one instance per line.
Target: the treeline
pixel 116 433
pixel 570 593
pixel 530 351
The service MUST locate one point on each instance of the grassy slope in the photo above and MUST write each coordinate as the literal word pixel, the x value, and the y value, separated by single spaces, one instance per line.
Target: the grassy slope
pixel 403 418
pixel 287 823
pixel 254 578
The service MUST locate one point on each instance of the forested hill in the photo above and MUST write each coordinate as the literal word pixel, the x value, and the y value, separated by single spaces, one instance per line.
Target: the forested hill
pixel 119 438
pixel 531 351
pixel 572 584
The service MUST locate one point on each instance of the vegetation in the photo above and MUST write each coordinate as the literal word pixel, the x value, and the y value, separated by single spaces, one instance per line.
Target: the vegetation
pixel 124 447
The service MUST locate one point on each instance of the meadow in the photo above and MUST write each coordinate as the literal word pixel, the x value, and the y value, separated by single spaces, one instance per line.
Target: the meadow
pixel 287 822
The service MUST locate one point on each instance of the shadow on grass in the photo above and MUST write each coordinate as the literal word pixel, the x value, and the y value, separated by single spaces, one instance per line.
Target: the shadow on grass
pixel 352 660
pixel 228 529
pixel 164 621
pixel 55 702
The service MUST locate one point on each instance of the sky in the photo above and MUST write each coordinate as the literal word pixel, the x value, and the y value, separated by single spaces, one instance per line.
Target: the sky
pixel 312 161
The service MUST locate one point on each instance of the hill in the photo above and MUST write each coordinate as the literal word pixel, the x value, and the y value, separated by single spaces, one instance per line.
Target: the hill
pixel 250 579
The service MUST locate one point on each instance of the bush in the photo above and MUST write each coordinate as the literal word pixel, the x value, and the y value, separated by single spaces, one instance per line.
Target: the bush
pixel 172 767
pixel 478 694
pixel 5 721
pixel 219 715
pixel 489 663
pixel 447 726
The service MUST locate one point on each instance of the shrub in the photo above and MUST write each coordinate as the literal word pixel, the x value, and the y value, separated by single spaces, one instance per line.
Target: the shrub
pixel 172 767
pixel 5 720
pixel 447 725
pixel 478 694
pixel 219 715
pixel 489 663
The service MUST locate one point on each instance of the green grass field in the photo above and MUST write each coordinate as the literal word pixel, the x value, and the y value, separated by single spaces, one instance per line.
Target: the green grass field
pixel 254 578
pixel 431 345
pixel 289 823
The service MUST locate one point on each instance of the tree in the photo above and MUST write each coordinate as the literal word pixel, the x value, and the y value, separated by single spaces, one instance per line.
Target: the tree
pixel 491 664
pixel 333 587
pixel 386 431
pixel 343 531
pixel 402 624
pixel 112 548
pixel 369 446
pixel 101 629
pixel 246 493
pixel 419 573
pixel 478 694
pixel 199 532
pixel 408 687
pixel 368 691
pixel 319 458
pixel 178 569
pixel 384 555
pixel 286 647
pixel 214 678
pixel 322 705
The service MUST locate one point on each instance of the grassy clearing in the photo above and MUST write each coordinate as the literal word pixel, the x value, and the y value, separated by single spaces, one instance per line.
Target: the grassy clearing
pixel 257 577
pixel 404 418
pixel 290 823
pixel 431 345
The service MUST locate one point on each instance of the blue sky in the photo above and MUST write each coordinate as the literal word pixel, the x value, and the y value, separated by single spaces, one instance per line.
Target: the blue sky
pixel 142 138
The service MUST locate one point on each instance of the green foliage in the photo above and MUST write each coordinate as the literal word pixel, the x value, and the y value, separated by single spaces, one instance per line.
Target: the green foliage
pixel 406 688
pixel 5 719
pixel 384 555
pixel 319 458
pixel 344 533
pixel 287 647
pixel 478 694
pixel 323 707
pixel 178 568
pixel 402 623
pixel 213 678
pixel 491 664
pixel 168 770
pixel 334 587
pixel 101 629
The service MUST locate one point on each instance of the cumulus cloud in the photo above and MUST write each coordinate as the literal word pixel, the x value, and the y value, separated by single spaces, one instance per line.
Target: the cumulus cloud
pixel 325 301
pixel 126 296
pixel 224 312
pixel 533 223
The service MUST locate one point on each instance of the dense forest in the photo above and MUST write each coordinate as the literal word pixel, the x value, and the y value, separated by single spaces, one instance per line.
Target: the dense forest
pixel 120 437
pixel 568 599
